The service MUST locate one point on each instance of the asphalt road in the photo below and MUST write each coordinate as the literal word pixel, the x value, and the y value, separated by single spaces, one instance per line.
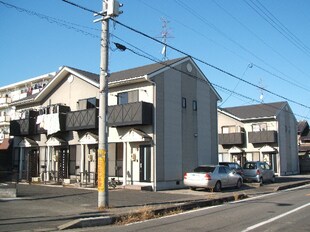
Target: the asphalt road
pixel 287 210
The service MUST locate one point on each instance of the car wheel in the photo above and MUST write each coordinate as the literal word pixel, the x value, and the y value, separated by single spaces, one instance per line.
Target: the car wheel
pixel 239 183
pixel 192 188
pixel 217 187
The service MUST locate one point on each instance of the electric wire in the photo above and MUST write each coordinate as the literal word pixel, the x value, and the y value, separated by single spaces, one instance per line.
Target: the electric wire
pixel 212 66
pixel 196 78
pixel 272 49
pixel 275 25
pixel 197 59
pixel 59 22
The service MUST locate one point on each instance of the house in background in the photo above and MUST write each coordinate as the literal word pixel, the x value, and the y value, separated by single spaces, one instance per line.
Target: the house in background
pixel 8 94
pixel 304 146
pixel 264 132
pixel 162 122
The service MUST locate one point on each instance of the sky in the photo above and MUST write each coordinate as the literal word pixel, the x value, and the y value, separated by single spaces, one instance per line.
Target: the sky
pixel 251 51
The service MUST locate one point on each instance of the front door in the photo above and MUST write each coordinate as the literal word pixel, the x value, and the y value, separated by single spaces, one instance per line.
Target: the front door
pixel 63 164
pixel 145 163
pixel 33 164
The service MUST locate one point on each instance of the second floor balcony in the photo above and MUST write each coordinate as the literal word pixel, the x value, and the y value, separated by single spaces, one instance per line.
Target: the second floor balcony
pixel 82 119
pixel 136 113
pixel 236 138
pixel 263 137
pixel 23 127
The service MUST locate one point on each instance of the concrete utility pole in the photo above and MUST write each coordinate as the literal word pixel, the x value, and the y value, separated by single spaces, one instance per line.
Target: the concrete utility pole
pixel 110 9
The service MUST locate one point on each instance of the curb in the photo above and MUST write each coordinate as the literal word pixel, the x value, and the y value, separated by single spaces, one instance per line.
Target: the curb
pixel 108 220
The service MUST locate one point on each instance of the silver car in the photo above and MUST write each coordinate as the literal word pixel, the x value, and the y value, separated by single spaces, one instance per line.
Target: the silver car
pixel 214 177
pixel 258 171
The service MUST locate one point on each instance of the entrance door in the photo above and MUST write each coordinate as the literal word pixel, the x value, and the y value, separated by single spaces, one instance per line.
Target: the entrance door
pixel 63 164
pixel 238 158
pixel 33 164
pixel 145 163
pixel 271 159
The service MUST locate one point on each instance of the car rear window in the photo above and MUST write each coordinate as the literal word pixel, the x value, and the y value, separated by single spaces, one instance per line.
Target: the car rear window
pixel 249 166
pixel 204 169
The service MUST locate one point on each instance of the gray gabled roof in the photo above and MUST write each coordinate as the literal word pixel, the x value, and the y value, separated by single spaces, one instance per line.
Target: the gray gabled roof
pixel 130 73
pixel 142 71
pixel 265 110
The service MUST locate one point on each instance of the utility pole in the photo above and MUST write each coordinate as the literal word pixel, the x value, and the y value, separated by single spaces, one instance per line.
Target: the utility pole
pixel 110 9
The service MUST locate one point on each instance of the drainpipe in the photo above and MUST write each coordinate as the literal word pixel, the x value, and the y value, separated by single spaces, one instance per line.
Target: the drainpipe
pixel 82 163
pixel 154 135
pixel 124 163
pixel 21 162
pixel 48 166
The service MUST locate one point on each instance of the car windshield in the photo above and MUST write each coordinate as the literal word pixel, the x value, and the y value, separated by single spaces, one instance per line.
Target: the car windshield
pixel 249 166
pixel 204 169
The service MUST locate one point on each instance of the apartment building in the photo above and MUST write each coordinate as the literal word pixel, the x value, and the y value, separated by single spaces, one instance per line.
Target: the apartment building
pixel 264 132
pixel 162 122
pixel 8 94
pixel 304 146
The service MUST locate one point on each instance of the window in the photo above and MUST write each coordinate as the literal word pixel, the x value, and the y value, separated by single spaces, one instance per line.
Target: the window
pixel 183 102
pixel 127 97
pixel 194 105
pixel 259 127
pixel 122 98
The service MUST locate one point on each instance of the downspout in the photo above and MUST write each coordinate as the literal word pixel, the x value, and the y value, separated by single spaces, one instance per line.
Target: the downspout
pixel 154 134
pixel 278 138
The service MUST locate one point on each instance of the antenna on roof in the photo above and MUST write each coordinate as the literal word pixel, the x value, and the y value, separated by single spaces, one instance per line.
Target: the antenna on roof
pixel 164 35
pixel 261 97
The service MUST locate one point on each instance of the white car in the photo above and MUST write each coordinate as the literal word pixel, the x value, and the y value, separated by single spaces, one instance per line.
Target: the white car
pixel 214 177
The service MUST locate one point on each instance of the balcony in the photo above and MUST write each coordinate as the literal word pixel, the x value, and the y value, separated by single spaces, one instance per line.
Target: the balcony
pixel 23 127
pixel 5 101
pixel 82 119
pixel 231 138
pixel 137 113
pixel 263 137
pixel 4 119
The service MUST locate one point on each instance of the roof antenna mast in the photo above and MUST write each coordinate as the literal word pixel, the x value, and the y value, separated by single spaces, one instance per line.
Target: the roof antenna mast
pixel 164 35
pixel 261 97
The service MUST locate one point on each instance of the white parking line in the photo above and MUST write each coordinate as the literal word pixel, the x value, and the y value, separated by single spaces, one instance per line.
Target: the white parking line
pixel 275 218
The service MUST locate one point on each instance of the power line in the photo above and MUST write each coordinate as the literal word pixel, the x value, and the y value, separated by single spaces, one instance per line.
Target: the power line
pixel 186 54
pixel 270 47
pixel 212 66
pixel 199 60
pixel 196 78
pixel 277 27
pixel 52 20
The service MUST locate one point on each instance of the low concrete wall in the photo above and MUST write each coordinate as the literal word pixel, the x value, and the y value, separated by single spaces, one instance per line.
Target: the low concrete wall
pixel 7 191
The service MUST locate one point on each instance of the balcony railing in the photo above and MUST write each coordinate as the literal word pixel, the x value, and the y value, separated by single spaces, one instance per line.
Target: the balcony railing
pixel 137 113
pixel 82 119
pixel 23 127
pixel 263 137
pixel 5 118
pixel 231 138
pixel 5 100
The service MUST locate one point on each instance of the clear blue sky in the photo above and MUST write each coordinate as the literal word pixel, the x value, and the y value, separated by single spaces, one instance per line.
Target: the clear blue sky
pixel 265 42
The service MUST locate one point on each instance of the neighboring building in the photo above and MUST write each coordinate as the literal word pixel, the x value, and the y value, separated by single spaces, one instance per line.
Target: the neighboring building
pixel 264 132
pixel 8 94
pixel 162 123
pixel 304 146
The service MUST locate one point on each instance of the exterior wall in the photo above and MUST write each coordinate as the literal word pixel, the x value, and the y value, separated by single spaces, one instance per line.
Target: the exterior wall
pixel 185 138
pixel 288 149
pixel 69 93
pixel 285 124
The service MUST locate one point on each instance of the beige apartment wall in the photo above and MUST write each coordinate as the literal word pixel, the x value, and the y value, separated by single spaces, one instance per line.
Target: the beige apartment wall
pixel 70 92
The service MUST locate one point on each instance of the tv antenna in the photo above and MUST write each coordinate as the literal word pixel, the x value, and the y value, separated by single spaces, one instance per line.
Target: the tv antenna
pixel 261 96
pixel 164 35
